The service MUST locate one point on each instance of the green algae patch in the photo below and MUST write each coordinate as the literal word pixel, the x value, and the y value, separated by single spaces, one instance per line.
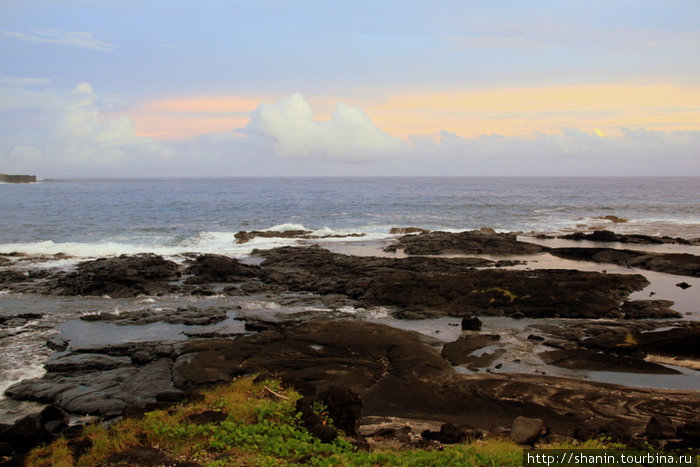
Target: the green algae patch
pixel 506 294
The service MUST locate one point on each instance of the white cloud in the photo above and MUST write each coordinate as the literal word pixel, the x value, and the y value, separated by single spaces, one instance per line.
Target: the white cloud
pixel 65 134
pixel 58 133
pixel 82 39
pixel 349 135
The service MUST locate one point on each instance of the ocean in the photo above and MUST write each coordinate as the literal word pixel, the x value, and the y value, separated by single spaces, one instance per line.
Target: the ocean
pixel 89 218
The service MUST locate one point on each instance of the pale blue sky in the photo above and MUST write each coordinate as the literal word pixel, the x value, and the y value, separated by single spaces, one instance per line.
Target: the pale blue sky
pixel 388 61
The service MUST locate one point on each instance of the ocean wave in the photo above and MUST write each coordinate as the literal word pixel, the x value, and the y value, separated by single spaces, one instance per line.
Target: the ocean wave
pixel 214 242
pixel 284 227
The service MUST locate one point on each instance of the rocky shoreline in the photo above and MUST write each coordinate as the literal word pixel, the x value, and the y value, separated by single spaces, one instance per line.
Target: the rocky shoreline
pixel 397 374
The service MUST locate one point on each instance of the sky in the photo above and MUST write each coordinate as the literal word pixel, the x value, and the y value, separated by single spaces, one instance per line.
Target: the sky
pixel 364 88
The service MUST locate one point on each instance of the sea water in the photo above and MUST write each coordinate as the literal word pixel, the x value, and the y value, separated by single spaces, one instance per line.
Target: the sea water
pixel 88 218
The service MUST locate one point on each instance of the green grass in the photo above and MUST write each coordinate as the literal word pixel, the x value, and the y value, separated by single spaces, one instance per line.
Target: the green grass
pixel 261 428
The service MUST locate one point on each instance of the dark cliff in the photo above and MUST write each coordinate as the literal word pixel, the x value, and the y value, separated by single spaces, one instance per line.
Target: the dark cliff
pixel 17 178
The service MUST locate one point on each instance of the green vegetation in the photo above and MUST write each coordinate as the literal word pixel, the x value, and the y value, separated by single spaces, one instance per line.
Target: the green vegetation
pixel 630 341
pixel 257 425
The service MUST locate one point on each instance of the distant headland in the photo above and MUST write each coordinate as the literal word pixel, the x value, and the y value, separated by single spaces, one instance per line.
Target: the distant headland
pixel 5 178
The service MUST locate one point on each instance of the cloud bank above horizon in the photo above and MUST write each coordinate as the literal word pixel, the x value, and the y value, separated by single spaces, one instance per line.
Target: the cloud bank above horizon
pixel 72 135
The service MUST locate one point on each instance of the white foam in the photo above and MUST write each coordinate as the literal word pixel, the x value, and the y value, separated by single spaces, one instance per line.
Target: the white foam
pixel 327 231
pixel 83 250
pixel 23 357
pixel 204 242
pixel 284 227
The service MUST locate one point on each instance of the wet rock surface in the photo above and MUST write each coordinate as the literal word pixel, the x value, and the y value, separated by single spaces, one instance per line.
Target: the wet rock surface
pixel 583 359
pixel 416 287
pixel 459 352
pixel 622 348
pixel 19 320
pixel 14 325
pixel 246 236
pixel 672 263
pixel 123 276
pixel 676 342
pixel 391 371
pixel 18 280
pixel 484 241
pixel 649 309
pixel 406 230
pixel 182 315
pixel 218 268
pixel 432 287
pixel 88 390
pixel 544 293
pixel 608 236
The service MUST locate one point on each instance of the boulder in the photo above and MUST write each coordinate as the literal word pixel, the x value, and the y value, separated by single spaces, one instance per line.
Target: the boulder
pixel 32 430
pixel 313 422
pixel 344 408
pixel 471 323
pixel 448 434
pixel 660 427
pixel 689 434
pixel 526 430
pixel 57 343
